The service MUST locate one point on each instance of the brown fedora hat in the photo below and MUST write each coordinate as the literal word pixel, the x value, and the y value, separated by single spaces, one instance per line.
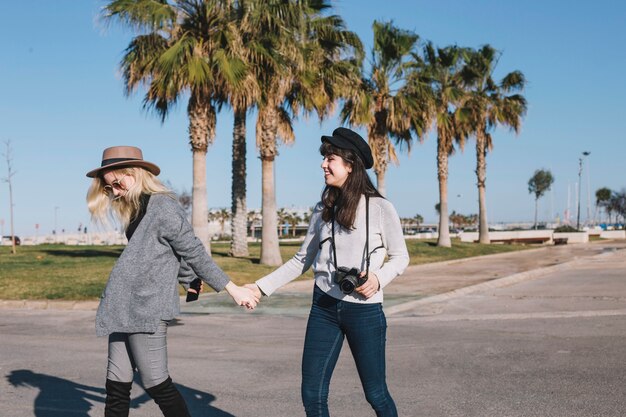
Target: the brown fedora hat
pixel 121 157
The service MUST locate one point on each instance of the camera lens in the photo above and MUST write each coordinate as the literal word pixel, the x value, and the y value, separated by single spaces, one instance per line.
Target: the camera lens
pixel 347 285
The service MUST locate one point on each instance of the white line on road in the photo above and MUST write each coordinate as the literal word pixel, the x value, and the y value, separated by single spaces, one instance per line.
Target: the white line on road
pixel 515 316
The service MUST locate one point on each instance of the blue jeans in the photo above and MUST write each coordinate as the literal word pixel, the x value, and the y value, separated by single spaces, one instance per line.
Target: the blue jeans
pixel 365 327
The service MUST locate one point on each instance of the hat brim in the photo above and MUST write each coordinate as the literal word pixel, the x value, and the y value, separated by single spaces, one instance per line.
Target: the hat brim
pixel 126 164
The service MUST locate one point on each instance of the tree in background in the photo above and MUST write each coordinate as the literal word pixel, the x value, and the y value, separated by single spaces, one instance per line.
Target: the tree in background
pixel 384 101
pixel 539 183
pixel 184 50
pixel 603 196
pixel 9 180
pixel 293 220
pixel 253 218
pixel 438 78
pixel 221 216
pixel 281 216
pixel 461 221
pixel 488 105
pixel 315 62
pixel 617 205
pixel 621 206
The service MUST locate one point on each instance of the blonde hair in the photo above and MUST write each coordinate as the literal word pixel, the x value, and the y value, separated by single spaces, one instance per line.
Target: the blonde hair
pixel 102 207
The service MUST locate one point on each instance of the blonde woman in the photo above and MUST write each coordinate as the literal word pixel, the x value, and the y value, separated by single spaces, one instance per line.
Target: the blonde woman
pixel 141 295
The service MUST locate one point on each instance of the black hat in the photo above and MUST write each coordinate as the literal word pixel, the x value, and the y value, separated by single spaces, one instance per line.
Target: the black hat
pixel 345 138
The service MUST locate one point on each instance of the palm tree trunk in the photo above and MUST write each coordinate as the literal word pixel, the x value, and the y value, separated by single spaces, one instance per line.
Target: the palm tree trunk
pixel 378 146
pixel 536 207
pixel 442 174
pixel 380 182
pixel 267 128
pixel 199 207
pixel 201 132
pixel 481 175
pixel 239 242
pixel 270 250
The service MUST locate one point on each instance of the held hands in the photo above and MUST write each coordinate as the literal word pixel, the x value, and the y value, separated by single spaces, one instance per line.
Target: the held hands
pixel 369 287
pixel 255 289
pixel 242 296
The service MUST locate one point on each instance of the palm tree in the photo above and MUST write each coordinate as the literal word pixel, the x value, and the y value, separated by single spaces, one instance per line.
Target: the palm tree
pixel 281 216
pixel 184 50
pixel 253 217
pixel 307 72
pixel 603 196
pixel 438 77
pixel 384 102
pixel 418 219
pixel 242 97
pixel 221 216
pixel 539 183
pixel 293 220
pixel 613 206
pixel 616 204
pixel 489 105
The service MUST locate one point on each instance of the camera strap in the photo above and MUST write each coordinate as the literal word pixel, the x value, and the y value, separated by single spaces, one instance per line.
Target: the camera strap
pixel 367 237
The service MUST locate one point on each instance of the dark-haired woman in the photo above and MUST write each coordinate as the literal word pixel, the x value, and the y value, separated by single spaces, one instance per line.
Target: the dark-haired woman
pixel 356 247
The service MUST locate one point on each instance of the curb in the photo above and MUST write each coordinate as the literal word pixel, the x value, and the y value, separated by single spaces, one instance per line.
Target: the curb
pixel 49 304
pixel 496 283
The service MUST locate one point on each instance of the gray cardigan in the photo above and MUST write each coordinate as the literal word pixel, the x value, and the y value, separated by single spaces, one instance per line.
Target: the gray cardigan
pixel 143 286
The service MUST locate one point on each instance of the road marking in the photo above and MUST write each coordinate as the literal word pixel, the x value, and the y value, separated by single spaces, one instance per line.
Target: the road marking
pixel 515 316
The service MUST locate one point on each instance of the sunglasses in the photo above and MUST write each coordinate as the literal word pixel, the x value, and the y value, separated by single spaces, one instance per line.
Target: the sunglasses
pixel 115 185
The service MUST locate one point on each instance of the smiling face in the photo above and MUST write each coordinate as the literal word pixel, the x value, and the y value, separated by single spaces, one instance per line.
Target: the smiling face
pixel 336 170
pixel 117 184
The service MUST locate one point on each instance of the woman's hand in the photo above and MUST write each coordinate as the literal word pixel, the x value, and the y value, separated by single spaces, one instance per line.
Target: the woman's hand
pixel 369 287
pixel 242 296
pixel 256 290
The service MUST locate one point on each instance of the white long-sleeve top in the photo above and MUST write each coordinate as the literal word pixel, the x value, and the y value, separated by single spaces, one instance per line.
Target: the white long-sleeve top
pixel 384 230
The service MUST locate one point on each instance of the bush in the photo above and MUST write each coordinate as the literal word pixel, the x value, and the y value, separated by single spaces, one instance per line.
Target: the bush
pixel 566 229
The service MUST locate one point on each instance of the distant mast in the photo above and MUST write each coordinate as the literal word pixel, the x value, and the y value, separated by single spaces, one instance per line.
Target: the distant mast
pixel 567 213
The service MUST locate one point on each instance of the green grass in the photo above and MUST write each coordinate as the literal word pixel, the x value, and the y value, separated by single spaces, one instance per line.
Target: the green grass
pixel 80 272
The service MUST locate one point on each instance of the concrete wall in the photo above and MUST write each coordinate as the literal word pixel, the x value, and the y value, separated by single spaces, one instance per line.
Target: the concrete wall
pixel 579 237
pixel 613 234
pixel 507 235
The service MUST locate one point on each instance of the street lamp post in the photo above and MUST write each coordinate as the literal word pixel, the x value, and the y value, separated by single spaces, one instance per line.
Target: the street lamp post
pixel 580 171
pixel 56 232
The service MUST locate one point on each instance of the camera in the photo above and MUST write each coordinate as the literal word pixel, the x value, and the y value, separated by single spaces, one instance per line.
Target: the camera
pixel 195 286
pixel 348 279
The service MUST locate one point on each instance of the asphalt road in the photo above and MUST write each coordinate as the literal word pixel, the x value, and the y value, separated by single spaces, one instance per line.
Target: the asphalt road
pixel 553 344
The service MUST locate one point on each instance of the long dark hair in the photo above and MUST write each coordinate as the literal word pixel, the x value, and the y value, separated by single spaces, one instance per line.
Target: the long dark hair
pixel 346 198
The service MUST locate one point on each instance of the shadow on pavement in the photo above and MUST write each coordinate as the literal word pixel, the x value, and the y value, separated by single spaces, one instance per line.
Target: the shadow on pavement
pixel 58 397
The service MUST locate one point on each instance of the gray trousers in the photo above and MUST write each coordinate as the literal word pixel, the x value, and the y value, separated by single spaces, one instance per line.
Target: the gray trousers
pixel 144 352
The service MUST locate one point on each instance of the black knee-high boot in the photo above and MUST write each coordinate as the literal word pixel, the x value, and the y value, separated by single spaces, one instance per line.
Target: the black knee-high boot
pixel 117 402
pixel 169 399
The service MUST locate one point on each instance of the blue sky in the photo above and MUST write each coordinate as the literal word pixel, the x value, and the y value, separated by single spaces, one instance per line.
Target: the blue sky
pixel 62 103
